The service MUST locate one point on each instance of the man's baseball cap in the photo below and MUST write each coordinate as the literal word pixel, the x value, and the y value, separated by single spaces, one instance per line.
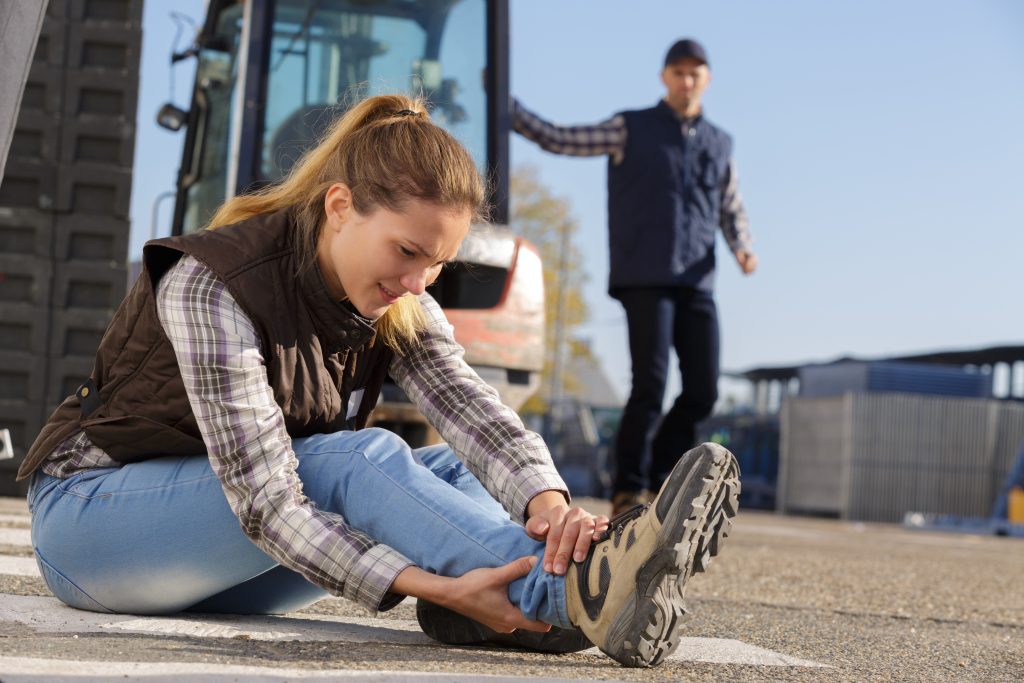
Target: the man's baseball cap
pixel 686 49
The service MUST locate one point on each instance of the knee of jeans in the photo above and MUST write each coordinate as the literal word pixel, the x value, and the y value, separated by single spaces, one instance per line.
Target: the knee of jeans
pixel 642 402
pixel 701 406
pixel 66 590
pixel 380 444
pixel 437 458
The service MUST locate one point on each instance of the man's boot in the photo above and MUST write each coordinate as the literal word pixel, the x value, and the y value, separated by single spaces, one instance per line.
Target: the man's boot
pixel 627 595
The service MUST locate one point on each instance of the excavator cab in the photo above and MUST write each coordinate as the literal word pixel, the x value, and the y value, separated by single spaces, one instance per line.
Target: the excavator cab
pixel 271 76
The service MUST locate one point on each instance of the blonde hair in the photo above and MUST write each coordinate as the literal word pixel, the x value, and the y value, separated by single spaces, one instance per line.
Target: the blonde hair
pixel 388 152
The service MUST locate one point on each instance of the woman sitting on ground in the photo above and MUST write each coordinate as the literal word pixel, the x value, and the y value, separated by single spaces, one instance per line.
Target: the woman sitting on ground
pixel 217 461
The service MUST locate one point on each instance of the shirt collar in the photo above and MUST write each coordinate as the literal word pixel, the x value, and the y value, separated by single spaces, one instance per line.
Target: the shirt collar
pixel 687 120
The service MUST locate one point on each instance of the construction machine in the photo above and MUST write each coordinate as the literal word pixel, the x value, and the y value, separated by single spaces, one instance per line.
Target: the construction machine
pixel 270 77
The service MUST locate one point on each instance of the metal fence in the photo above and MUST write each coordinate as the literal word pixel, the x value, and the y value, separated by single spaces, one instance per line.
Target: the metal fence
pixel 876 456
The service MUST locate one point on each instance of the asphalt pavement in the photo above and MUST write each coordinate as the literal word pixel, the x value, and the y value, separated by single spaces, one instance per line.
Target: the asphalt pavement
pixel 789 599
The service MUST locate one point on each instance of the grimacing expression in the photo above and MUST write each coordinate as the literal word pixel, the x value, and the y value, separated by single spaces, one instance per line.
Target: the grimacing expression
pixel 378 257
pixel 685 80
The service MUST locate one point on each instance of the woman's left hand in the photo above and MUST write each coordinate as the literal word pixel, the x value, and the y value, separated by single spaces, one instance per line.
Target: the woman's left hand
pixel 568 532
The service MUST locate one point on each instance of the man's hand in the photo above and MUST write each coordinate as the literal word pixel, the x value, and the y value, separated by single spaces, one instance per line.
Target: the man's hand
pixel 747 261
pixel 568 532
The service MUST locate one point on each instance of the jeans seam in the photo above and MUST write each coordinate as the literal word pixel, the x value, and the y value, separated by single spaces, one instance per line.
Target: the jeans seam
pixel 176 482
pixel 121 491
pixel 71 492
pixel 39 556
pixel 37 490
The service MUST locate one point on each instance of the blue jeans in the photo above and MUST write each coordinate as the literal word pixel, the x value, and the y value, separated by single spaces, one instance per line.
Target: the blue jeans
pixel 158 537
pixel 657 319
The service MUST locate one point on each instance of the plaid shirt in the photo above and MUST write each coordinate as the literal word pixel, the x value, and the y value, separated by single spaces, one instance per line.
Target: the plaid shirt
pixel 609 138
pixel 219 357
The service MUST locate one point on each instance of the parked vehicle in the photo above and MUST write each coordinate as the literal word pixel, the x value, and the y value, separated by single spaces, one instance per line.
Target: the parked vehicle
pixel 270 77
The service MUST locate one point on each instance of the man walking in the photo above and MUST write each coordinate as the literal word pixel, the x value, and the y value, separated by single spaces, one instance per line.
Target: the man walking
pixel 671 184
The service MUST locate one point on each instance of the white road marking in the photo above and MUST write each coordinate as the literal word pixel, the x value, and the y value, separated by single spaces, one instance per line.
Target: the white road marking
pixel 48 615
pixel 18 566
pixel 310 628
pixel 19 520
pixel 20 537
pixel 752 532
pixel 30 670
pixel 728 651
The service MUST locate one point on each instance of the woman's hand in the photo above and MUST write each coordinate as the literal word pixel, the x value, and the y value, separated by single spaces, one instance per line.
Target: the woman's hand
pixel 482 594
pixel 568 532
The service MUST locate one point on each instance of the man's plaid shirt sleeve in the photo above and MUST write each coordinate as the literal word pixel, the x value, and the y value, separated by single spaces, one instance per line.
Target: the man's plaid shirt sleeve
pixel 221 364
pixel 605 138
pixel 609 138
pixel 733 214
pixel 512 462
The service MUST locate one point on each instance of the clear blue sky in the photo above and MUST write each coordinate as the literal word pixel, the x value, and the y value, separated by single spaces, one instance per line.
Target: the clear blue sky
pixel 880 148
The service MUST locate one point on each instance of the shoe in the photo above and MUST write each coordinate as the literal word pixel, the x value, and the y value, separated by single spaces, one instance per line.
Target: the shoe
pixel 627 595
pixel 624 500
pixel 450 627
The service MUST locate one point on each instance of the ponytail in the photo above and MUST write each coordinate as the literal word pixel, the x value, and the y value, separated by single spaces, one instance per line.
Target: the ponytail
pixel 389 153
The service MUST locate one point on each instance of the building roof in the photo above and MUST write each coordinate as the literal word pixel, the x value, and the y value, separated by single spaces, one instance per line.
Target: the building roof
pixel 586 383
pixel 979 357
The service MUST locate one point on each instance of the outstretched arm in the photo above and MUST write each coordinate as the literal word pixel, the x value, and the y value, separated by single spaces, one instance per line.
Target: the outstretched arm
pixel 607 137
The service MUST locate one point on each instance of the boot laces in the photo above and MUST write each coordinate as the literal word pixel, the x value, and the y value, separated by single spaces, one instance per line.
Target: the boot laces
pixel 619 522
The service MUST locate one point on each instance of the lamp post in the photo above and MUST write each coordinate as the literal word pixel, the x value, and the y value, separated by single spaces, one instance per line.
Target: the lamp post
pixel 553 416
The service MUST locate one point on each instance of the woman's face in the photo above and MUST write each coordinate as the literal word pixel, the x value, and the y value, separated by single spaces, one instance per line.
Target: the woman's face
pixel 377 258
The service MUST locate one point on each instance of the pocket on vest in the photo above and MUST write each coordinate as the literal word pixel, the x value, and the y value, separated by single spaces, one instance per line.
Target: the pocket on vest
pixel 129 438
pixel 711 177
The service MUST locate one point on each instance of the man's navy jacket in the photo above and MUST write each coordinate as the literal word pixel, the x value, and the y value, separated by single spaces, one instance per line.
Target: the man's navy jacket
pixel 664 199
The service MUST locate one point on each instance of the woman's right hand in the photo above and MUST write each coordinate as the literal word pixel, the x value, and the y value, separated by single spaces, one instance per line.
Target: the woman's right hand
pixel 480 594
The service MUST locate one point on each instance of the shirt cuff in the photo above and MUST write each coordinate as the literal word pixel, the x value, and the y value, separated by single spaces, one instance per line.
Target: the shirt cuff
pixel 539 480
pixel 370 579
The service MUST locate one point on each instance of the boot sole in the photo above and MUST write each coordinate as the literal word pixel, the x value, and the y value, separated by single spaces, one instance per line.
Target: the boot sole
pixel 452 628
pixel 695 527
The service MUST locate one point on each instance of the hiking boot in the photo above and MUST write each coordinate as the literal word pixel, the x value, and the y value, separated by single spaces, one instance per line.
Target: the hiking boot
pixel 627 595
pixel 450 627
pixel 624 500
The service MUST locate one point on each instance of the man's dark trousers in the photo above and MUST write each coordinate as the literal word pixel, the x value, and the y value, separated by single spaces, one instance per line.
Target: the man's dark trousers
pixel 658 318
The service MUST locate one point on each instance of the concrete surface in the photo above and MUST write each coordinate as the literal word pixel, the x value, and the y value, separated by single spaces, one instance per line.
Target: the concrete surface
pixel 789 599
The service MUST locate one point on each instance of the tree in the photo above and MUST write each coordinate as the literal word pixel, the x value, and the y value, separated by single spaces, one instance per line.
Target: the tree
pixel 547 221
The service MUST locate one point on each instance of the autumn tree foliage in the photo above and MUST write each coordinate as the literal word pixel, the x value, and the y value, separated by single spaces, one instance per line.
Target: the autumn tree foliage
pixel 547 221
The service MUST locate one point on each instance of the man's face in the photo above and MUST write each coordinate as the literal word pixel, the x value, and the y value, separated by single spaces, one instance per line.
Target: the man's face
pixel 686 80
